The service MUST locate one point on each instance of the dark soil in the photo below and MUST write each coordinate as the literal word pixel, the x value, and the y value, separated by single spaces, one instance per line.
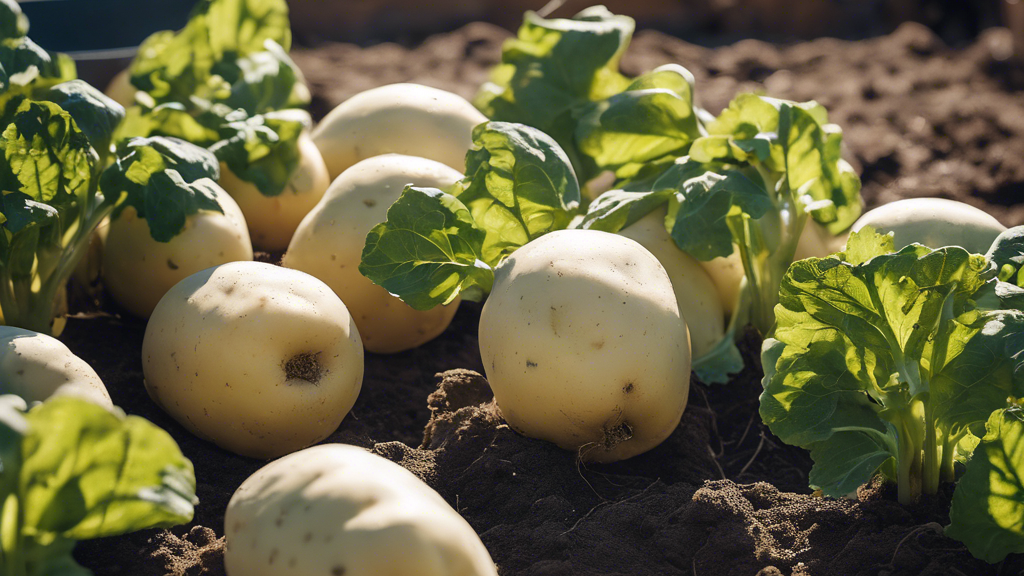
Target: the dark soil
pixel 722 496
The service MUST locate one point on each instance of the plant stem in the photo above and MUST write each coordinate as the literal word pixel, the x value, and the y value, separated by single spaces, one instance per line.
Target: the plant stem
pixel 930 466
pixel 908 465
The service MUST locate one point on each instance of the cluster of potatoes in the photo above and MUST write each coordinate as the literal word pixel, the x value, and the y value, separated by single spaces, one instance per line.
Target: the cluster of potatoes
pixel 266 360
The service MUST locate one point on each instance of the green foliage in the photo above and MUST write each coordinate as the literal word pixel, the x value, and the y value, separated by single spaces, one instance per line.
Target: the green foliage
pixel 71 471
pixel 13 22
pixel 165 180
pixel 434 246
pixel 876 357
pixel 263 149
pixel 1007 253
pixel 987 513
pixel 96 115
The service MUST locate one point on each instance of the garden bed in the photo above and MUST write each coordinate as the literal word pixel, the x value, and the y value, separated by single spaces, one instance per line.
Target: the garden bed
pixel 722 495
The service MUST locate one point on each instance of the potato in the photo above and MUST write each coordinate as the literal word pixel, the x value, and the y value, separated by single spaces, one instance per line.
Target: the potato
pixel 583 344
pixel 272 220
pixel 695 292
pixel 934 222
pixel 401 119
pixel 728 275
pixel 329 245
pixel 138 270
pixel 36 367
pixel 340 510
pixel 259 359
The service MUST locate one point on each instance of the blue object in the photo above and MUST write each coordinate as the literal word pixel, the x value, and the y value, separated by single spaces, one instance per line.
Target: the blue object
pixel 100 25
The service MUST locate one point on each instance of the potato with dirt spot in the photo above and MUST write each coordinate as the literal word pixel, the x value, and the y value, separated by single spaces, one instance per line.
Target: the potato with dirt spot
pixel 139 270
pixel 329 245
pixel 583 345
pixel 338 510
pixel 259 359
pixel 36 366
pixel 400 119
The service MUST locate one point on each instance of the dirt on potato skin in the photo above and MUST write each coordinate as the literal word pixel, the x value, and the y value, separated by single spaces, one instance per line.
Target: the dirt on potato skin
pixel 722 496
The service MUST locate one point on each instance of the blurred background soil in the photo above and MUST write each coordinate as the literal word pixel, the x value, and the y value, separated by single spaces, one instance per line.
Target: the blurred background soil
pixel 924 114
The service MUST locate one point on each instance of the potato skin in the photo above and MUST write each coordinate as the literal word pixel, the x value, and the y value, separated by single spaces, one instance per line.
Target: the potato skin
pixel 219 346
pixel 338 509
pixel 272 220
pixel 934 222
pixel 398 118
pixel 36 367
pixel 329 244
pixel 695 292
pixel 138 270
pixel 583 345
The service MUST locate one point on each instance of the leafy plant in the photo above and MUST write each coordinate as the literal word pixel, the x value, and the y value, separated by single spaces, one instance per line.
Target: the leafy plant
pixel 746 182
pixel 71 470
pixel 874 365
pixel 219 83
pixel 437 245
pixel 987 513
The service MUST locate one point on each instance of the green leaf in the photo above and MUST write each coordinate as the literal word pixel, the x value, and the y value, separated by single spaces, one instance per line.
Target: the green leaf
pixel 429 251
pixel 719 363
pixel 94 113
pixel 88 473
pixel 13 428
pixel 263 81
pixel 842 463
pixel 1007 254
pixel 165 180
pixel 29 67
pixel 796 144
pixel 47 152
pixel 987 513
pixel 654 118
pixel 20 212
pixel 13 22
pixel 554 65
pixel 519 186
pixel 705 198
pixel 193 123
pixel 176 66
pixel 863 343
pixel 263 149
pixel 617 209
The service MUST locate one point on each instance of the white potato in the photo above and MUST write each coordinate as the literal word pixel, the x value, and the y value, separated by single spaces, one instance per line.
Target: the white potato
pixel 727 274
pixel 695 292
pixel 934 222
pixel 138 270
pixel 583 345
pixel 36 367
pixel 259 359
pixel 121 90
pixel 398 118
pixel 272 220
pixel 329 245
pixel 340 510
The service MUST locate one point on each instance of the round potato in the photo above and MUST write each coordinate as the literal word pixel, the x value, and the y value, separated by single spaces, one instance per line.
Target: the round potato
pixel 398 118
pixel 138 270
pixel 934 222
pixel 272 220
pixel 338 509
pixel 583 345
pixel 36 367
pixel 695 292
pixel 329 245
pixel 259 359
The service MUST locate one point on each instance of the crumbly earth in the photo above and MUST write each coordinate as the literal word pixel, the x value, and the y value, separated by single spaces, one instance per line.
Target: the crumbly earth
pixel 721 496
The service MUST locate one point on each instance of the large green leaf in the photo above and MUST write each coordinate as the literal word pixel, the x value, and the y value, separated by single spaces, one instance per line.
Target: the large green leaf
pixel 165 180
pixel 652 119
pixel 88 473
pixel 1007 254
pixel 263 149
pixel 519 186
pixel 554 65
pixel 263 81
pixel 95 114
pixel 195 123
pixel 987 513
pixel 31 69
pixel 795 144
pixel 47 152
pixel 429 251
pixel 862 343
